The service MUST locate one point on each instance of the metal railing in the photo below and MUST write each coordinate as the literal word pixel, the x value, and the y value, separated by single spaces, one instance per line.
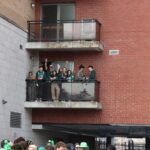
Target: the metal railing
pixel 125 146
pixel 64 91
pixel 64 30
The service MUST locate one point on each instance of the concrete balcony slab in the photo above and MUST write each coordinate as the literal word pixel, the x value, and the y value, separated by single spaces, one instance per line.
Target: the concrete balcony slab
pixel 65 46
pixel 64 105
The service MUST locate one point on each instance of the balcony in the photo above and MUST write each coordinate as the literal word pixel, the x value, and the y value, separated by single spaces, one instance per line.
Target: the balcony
pixel 73 95
pixel 61 35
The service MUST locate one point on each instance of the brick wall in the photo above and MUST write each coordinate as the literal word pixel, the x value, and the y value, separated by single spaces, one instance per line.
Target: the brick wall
pixel 19 11
pixel 125 83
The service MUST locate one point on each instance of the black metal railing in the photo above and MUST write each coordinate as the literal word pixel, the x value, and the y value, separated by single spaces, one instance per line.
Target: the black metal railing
pixel 64 91
pixel 125 146
pixel 60 30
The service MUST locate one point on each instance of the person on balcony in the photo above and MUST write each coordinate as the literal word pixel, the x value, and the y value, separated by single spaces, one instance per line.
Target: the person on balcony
pixel 40 77
pixel 92 74
pixel 55 87
pixel 64 74
pixel 30 76
pixel 31 87
pixel 70 76
pixel 48 70
pixel 80 76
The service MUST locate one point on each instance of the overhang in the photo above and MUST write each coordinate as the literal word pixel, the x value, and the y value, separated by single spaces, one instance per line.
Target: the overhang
pixel 66 46
pixel 64 105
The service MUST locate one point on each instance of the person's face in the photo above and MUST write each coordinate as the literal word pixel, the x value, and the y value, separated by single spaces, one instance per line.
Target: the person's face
pixel 41 68
pixel 90 69
pixel 61 148
pixel 64 69
pixel 30 73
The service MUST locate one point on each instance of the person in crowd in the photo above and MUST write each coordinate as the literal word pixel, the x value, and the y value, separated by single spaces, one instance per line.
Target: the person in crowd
pixel 6 144
pixel 60 146
pixel 70 146
pixel 49 147
pixel 80 76
pixel 40 77
pixel 77 146
pixel 84 146
pixel 41 148
pixel 64 74
pixel 55 87
pixel 32 147
pixel 70 76
pixel 31 87
pixel 22 145
pixel 111 147
pixel 92 74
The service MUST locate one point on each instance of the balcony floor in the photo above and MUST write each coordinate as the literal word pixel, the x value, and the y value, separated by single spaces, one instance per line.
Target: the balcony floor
pixel 64 105
pixel 66 46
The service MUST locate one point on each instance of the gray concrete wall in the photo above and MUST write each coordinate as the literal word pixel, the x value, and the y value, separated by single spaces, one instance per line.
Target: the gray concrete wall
pixel 14 65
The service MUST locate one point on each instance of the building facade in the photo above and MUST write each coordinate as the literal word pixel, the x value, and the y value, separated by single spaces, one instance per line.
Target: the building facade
pixel 112 36
pixel 15 63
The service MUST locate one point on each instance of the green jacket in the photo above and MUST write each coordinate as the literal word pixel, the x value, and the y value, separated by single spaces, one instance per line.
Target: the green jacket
pixel 92 76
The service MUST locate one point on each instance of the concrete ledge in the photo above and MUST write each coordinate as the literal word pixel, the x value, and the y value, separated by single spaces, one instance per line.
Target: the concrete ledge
pixel 66 46
pixel 64 105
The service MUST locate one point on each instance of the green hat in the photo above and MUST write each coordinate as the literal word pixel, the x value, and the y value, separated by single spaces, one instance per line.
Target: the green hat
pixel 41 148
pixel 50 142
pixel 83 145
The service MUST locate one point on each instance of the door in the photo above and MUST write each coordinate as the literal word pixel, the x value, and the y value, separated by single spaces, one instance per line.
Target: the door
pixel 54 16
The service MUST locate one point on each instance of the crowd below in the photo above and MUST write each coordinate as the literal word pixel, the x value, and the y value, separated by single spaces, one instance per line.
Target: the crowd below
pixel 22 144
pixel 56 76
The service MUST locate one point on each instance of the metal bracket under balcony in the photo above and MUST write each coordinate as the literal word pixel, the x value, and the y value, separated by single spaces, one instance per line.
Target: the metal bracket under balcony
pixel 61 35
pixel 64 105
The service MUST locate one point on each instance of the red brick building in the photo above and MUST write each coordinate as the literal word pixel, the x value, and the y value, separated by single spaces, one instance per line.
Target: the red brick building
pixel 119 52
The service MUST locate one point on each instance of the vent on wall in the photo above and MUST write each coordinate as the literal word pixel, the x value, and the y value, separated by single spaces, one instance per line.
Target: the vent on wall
pixel 15 120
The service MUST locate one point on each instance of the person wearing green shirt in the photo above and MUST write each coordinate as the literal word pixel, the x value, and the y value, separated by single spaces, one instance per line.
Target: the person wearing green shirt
pixel 40 77
pixel 92 74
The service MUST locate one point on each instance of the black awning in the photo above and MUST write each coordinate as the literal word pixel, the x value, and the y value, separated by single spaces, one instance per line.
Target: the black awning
pixel 100 130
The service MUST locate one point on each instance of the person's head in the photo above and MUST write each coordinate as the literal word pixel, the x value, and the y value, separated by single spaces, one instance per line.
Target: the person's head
pixel 41 68
pixel 29 142
pixel 30 73
pixel 77 146
pixel 22 145
pixel 69 72
pixel 3 142
pixel 51 68
pixel 90 68
pixel 60 146
pixel 41 148
pixel 81 67
pixel 19 139
pixel 49 147
pixel 32 147
pixel 111 147
pixel 84 146
pixel 60 70
pixel 54 72
pixel 70 146
pixel 64 70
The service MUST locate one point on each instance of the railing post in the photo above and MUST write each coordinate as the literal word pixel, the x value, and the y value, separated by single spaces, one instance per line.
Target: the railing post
pixel 28 22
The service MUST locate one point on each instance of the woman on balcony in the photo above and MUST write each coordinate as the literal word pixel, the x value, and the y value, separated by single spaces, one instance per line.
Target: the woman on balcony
pixel 80 74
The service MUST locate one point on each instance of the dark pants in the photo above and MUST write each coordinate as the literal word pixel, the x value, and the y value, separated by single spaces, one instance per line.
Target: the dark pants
pixel 40 89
